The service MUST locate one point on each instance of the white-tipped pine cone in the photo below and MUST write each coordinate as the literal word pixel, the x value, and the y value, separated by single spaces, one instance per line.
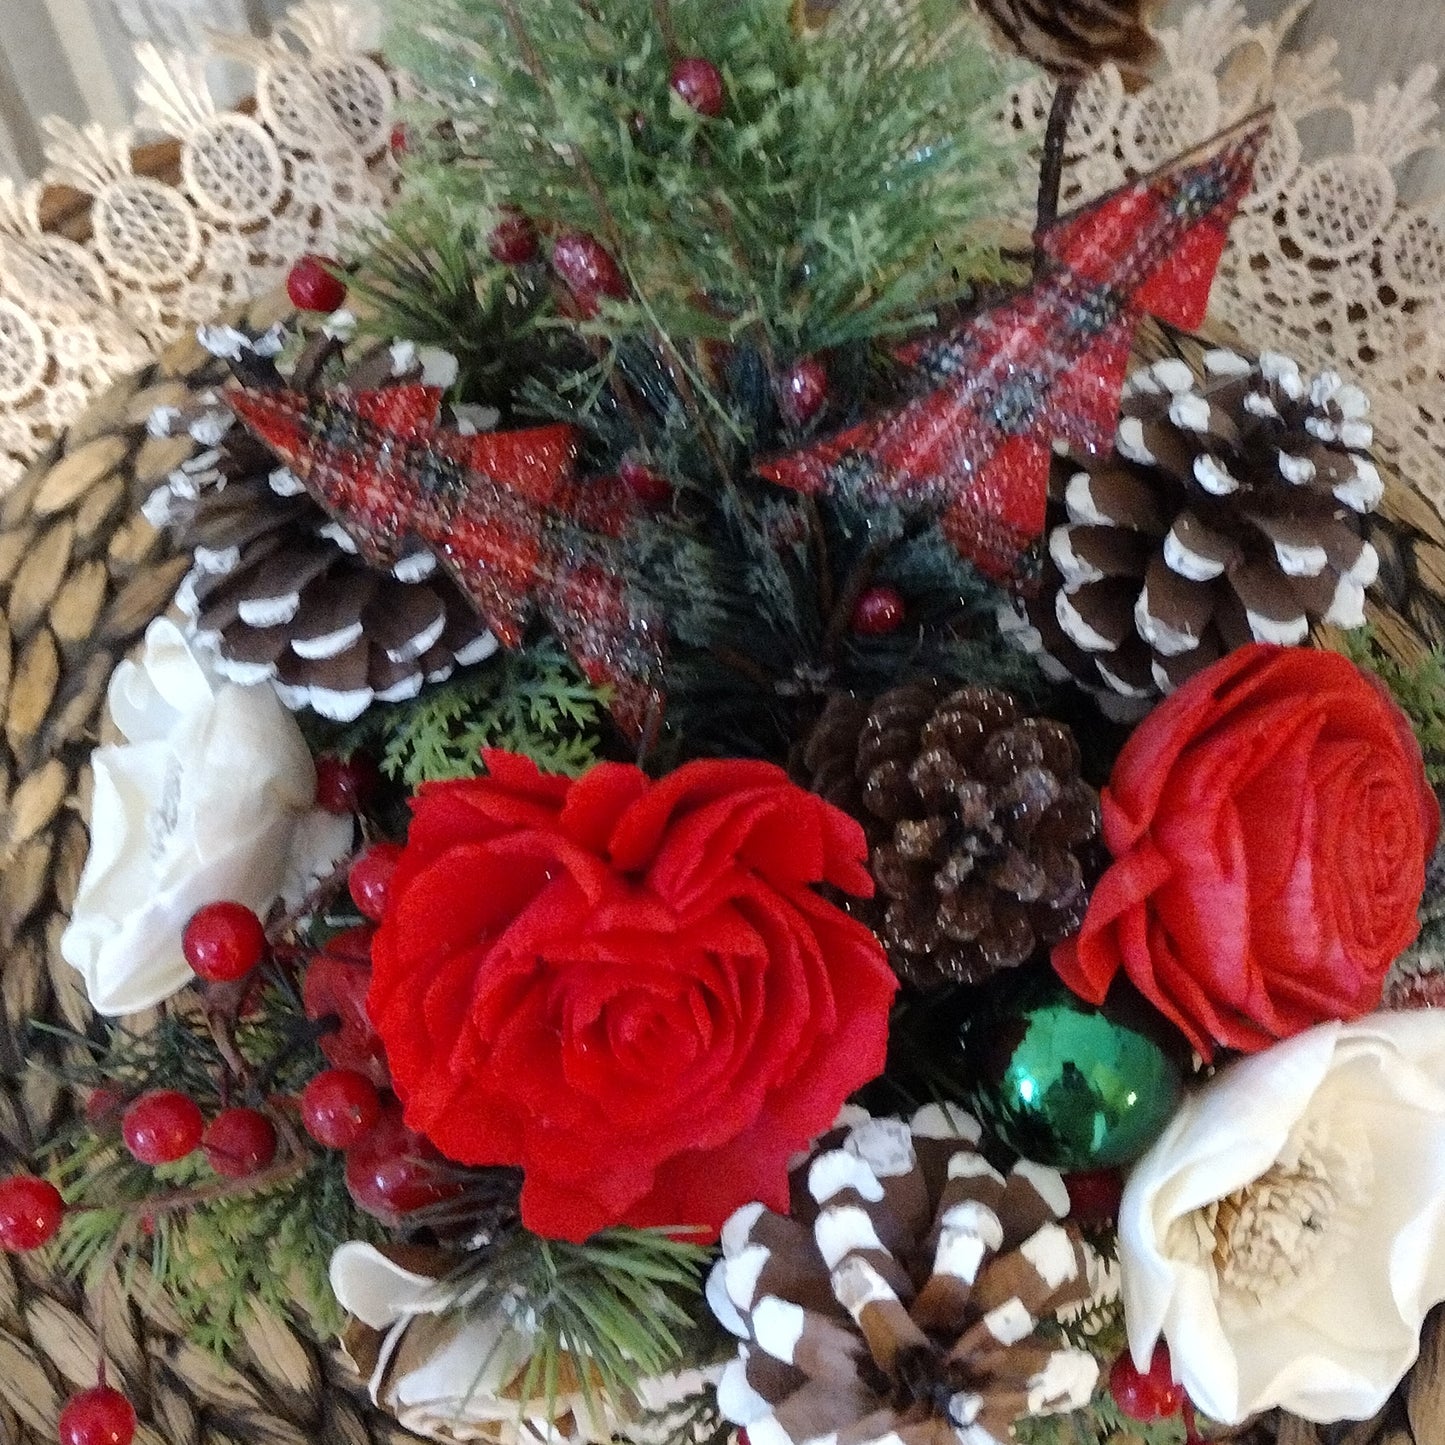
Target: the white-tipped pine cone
pixel 900 1299
pixel 277 591
pixel 1228 513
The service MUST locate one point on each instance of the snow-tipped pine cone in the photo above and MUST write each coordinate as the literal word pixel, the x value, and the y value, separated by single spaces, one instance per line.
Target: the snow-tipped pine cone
pixel 277 591
pixel 899 1299
pixel 1229 512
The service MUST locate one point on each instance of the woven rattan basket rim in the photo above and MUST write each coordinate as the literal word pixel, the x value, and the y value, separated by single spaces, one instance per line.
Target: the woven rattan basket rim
pixel 81 574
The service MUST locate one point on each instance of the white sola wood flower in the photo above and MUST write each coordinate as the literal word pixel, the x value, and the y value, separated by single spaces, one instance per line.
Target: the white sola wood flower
pixel 1286 1234
pixel 208 796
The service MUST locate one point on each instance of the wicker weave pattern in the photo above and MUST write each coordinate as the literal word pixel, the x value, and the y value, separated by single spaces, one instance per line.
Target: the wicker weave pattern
pixel 81 574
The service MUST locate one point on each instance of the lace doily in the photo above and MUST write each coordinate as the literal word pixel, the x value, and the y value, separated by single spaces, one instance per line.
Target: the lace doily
pixel 254 191
pixel 1329 262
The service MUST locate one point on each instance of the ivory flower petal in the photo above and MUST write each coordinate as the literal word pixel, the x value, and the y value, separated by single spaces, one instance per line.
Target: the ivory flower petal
pixel 1286 1234
pixel 458 1378
pixel 207 797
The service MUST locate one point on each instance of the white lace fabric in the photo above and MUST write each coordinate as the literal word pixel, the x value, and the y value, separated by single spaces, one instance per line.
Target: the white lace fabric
pixel 302 173
pixel 1329 262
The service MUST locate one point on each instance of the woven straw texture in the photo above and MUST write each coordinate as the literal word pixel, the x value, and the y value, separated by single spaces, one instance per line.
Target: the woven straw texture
pixel 81 574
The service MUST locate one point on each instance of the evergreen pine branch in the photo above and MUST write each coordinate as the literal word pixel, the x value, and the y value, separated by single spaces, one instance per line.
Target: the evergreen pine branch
pixel 842 195
pixel 627 1301
pixel 428 280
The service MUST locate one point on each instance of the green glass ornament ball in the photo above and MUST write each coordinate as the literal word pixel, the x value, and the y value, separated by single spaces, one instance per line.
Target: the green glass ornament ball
pixel 1065 1083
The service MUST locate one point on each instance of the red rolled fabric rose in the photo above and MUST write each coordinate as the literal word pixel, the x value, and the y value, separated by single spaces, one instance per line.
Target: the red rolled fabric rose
pixel 1270 825
pixel 629 988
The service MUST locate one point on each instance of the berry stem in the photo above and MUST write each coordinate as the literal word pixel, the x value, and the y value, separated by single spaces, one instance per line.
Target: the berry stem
pixel 298 1036
pixel 662 13
pixel 323 892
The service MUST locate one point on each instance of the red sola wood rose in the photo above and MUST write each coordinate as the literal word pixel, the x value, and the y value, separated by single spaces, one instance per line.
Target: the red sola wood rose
pixel 629 988
pixel 1270 824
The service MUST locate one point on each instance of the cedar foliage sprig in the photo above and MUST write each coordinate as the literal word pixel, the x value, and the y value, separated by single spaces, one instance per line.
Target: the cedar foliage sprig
pixel 841 195
pixel 1419 689
pixel 531 701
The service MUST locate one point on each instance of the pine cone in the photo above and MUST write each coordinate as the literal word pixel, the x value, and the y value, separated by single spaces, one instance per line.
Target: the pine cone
pixel 1228 513
pixel 980 829
pixel 1072 39
pixel 900 1298
pixel 276 589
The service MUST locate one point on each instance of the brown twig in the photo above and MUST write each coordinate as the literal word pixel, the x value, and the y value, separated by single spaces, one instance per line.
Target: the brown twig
pixel 1051 173
pixel 858 579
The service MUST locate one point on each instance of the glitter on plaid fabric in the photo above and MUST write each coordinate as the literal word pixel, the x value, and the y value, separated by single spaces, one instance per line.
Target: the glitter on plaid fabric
pixel 504 512
pixel 1045 365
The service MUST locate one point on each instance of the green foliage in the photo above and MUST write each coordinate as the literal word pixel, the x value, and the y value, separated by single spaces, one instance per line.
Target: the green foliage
pixel 1419 689
pixel 628 1300
pixel 841 195
pixel 758 587
pixel 220 1258
pixel 429 280
pixel 225 1247
pixel 1100 1422
pixel 532 701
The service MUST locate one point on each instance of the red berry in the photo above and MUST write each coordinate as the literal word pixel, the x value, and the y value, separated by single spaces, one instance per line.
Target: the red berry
pixel 335 986
pixel 645 484
pixel 239 1143
pixel 338 1106
pixel 162 1126
pixel 393 1172
pixel 370 878
pixel 30 1212
pixel 587 269
pixel 700 84
pixel 878 611
pixel 1150 1395
pixel 312 286
pixel 804 390
pixel 399 140
pixel 346 785
pixel 101 1416
pixel 1094 1196
pixel 513 240
pixel 104 1107
pixel 223 942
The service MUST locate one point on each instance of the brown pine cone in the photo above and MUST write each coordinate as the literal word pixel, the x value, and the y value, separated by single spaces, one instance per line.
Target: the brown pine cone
pixel 981 831
pixel 900 1298
pixel 1068 38
pixel 277 590
pixel 1229 512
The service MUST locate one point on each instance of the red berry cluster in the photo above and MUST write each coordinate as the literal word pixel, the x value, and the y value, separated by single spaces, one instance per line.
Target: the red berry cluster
pixel 390 1171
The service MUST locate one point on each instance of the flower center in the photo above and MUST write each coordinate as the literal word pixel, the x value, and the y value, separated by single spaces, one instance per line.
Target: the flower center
pixel 1282 1235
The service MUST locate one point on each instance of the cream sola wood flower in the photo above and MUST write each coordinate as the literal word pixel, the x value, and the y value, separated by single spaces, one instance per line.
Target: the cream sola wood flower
pixel 899 1301
pixel 207 795
pixel 1286 1234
